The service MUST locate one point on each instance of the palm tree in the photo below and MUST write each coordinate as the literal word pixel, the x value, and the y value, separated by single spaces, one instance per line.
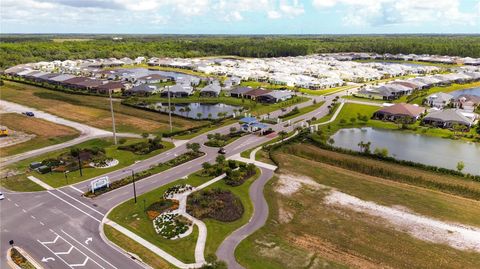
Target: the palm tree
pixel 188 109
pixel 199 115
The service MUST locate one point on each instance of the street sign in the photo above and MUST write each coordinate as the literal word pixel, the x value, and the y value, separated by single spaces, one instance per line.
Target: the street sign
pixel 99 183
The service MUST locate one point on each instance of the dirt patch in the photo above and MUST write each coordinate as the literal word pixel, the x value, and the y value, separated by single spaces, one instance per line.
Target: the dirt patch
pixel 289 184
pixel 330 252
pixel 284 215
pixel 35 126
pixel 427 229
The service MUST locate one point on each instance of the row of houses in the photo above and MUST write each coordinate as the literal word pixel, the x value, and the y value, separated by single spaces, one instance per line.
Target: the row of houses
pixel 261 95
pixel 447 118
pixel 440 59
pixel 395 89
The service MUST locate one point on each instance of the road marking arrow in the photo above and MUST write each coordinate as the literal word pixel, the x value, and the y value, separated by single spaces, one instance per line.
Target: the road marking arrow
pixel 48 259
pixel 88 240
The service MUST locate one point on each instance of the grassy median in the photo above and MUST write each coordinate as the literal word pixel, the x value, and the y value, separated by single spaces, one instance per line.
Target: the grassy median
pixel 20 182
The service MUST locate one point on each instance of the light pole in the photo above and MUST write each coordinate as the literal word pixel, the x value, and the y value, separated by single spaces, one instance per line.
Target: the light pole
pixel 66 178
pixel 113 117
pixel 133 181
pixel 169 109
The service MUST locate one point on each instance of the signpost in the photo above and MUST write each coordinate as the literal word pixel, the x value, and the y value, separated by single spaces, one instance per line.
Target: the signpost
pixel 99 183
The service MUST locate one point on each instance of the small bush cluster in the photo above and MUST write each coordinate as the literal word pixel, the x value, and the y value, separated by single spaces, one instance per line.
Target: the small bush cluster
pixel 164 205
pixel 220 140
pixel 144 147
pixel 218 204
pixel 237 172
pixel 177 189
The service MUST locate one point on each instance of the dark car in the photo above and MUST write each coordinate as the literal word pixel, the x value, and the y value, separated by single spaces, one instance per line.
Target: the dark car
pixel 222 151
pixel 29 113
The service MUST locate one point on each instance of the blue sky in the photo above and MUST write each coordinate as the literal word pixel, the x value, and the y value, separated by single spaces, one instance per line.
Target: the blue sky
pixel 240 16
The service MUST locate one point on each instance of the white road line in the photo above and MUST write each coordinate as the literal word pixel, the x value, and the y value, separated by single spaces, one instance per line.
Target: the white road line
pixel 65 252
pixel 41 223
pixel 81 264
pixel 77 189
pixel 51 242
pixel 82 203
pixel 75 265
pixel 88 249
pixel 55 254
pixel 74 206
pixel 16 205
pixel 32 216
pixel 24 211
pixel 9 199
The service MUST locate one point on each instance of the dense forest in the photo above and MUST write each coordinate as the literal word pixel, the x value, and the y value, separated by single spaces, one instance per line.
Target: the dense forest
pixel 16 49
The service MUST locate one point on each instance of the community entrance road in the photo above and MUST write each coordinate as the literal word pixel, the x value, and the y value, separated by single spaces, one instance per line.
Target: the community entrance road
pixel 60 228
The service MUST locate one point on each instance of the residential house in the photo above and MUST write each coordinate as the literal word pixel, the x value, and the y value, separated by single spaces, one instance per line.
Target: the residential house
pixel 177 91
pixel 112 86
pixel 153 78
pixel 275 96
pixel 255 93
pixel 439 100
pixel 467 102
pixel 141 90
pixel 239 92
pixel 385 92
pixel 211 90
pixel 400 111
pixel 448 118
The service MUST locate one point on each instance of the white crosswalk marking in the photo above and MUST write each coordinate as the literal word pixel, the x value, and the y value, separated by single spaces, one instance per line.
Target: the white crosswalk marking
pixel 80 264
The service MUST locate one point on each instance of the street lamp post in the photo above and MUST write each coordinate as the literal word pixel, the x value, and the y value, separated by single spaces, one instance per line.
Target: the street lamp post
pixel 66 178
pixel 169 109
pixel 133 181
pixel 113 117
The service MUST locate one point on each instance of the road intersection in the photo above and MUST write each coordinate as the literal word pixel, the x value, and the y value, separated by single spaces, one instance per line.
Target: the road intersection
pixel 61 228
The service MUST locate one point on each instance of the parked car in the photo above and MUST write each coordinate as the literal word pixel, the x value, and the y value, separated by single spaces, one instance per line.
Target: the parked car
pixel 28 113
pixel 222 151
pixel 2 196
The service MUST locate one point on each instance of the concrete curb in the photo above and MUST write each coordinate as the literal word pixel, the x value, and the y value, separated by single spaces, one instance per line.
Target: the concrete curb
pixel 24 254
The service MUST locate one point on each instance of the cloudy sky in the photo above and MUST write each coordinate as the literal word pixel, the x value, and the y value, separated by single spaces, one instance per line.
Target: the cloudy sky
pixel 240 16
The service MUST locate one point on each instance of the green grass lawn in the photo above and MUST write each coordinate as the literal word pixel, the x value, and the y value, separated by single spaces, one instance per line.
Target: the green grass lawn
pixel 218 230
pixel 133 217
pixel 58 179
pixel 146 255
pixel 304 110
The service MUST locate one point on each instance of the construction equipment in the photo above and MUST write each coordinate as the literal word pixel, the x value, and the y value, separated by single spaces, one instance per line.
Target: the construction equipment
pixel 3 131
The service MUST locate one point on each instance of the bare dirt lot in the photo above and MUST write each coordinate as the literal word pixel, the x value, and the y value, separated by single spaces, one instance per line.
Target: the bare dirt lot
pixel 40 133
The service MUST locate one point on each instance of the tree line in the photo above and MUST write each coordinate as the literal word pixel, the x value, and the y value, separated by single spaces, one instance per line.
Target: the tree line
pixel 16 49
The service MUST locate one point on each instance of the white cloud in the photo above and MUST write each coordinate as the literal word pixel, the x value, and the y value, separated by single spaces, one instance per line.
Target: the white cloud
pixel 388 12
pixel 273 14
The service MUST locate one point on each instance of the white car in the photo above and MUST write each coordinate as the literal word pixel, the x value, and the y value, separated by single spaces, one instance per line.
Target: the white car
pixel 2 196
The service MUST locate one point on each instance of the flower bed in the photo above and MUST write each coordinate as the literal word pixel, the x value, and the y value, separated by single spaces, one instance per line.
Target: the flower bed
pixel 171 225
pixel 177 189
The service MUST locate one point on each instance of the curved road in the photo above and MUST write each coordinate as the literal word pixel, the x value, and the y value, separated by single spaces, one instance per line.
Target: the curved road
pixel 226 251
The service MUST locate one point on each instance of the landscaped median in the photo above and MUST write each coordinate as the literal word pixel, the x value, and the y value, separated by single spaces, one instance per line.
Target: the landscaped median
pixel 219 203
pixel 17 258
pixel 181 159
pixel 97 157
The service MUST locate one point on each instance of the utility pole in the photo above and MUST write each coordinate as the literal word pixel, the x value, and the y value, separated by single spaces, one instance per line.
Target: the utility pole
pixel 113 118
pixel 80 164
pixel 133 179
pixel 169 110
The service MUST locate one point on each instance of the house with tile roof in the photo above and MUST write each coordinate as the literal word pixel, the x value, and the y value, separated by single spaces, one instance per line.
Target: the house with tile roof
pixel 399 112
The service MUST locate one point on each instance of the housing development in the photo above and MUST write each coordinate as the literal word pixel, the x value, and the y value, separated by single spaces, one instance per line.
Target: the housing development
pixel 215 151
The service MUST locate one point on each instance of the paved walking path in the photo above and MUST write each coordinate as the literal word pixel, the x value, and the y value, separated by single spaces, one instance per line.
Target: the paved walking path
pixel 237 157
pixel 41 183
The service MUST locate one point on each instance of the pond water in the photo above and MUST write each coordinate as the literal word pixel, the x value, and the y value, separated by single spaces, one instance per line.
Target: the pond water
pixel 199 110
pixel 471 91
pixel 413 147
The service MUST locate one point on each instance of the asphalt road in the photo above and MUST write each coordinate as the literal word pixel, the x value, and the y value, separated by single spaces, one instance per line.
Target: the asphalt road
pixel 56 226
pixel 226 251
